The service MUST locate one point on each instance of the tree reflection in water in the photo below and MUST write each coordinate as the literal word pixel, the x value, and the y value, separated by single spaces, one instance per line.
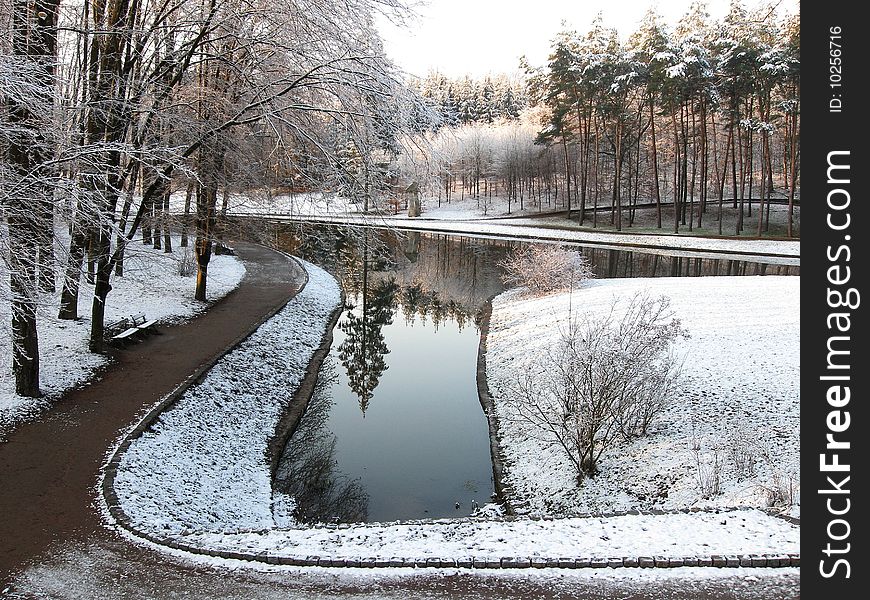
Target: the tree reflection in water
pixel 307 470
pixel 363 349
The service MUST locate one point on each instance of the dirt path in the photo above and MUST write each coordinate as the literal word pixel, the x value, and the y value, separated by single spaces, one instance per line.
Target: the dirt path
pixel 48 468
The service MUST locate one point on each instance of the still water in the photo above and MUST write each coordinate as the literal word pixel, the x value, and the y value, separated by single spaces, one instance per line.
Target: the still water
pixel 395 430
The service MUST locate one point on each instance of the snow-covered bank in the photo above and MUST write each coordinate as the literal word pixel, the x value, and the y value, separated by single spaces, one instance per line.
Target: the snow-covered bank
pixel 740 398
pixel 198 480
pixel 151 284
pixel 202 465
pixel 466 217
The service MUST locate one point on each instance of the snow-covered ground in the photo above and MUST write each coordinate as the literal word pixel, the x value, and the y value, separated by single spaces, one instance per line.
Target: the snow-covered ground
pixel 309 204
pixel 673 535
pixel 739 401
pixel 202 464
pixel 200 477
pixel 151 285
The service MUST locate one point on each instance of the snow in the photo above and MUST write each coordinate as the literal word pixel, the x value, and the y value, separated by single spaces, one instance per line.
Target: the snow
pixel 740 395
pixel 702 534
pixel 466 216
pixel 199 476
pixel 150 285
pixel 264 203
pixel 202 464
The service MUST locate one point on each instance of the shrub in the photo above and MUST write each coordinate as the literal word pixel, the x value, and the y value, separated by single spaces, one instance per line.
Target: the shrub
pixel 605 381
pixel 545 268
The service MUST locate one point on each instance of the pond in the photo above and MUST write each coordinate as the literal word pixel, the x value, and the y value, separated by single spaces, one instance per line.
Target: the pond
pixel 395 429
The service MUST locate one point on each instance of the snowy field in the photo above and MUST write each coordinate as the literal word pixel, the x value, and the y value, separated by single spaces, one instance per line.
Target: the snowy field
pixel 151 285
pixel 200 477
pixel 739 400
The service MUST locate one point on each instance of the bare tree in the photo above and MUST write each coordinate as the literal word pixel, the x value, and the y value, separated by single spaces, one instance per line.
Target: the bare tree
pixel 605 381
pixel 26 194
pixel 176 86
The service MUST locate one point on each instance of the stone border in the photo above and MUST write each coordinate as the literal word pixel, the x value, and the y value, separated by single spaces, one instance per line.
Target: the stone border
pixel 488 406
pixel 301 396
pixel 290 418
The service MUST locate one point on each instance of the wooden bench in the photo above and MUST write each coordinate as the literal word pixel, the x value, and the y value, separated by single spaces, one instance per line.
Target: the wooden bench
pixel 129 328
pixel 142 324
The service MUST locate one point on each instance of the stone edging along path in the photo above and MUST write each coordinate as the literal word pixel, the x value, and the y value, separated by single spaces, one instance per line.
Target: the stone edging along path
pixel 178 541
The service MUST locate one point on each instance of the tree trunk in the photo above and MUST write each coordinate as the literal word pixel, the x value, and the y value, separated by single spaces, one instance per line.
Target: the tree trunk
pixel 185 219
pixel 167 233
pixel 97 342
pixel 205 211
pixel 567 175
pixel 652 120
pixel 792 172
pixel 69 297
pixel 30 232
pixel 22 280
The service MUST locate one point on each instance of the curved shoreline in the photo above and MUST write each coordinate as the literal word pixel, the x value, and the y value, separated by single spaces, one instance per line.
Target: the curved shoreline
pixel 201 457
pixel 294 547
pixel 289 420
pixel 488 406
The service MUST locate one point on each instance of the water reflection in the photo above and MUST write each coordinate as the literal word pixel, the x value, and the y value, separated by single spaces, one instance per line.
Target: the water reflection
pixel 308 470
pixel 465 270
pixel 395 430
pixel 363 349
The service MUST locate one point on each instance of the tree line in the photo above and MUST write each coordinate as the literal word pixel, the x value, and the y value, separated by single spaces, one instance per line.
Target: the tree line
pixel 690 117
pixel 465 100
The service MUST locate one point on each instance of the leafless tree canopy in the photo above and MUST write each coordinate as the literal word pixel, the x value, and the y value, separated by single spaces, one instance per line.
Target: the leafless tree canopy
pixel 108 106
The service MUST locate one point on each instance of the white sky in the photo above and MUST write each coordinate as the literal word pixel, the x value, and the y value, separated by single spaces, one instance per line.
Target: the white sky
pixel 458 37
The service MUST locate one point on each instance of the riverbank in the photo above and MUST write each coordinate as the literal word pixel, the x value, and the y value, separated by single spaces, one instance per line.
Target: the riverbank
pixel 467 217
pixel 202 462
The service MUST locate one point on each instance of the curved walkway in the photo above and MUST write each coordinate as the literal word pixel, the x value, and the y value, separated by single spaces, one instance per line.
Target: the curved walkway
pixel 48 468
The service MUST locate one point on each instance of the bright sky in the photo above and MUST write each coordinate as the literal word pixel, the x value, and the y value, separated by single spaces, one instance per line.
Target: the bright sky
pixel 458 37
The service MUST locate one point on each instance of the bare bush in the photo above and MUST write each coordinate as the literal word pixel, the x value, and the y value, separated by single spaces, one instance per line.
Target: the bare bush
pixel 545 268
pixel 187 263
pixel 743 453
pixel 780 492
pixel 708 471
pixel 604 382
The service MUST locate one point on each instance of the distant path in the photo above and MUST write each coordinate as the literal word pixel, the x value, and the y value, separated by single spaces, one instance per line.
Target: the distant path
pixel 49 467
pixel 774 251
